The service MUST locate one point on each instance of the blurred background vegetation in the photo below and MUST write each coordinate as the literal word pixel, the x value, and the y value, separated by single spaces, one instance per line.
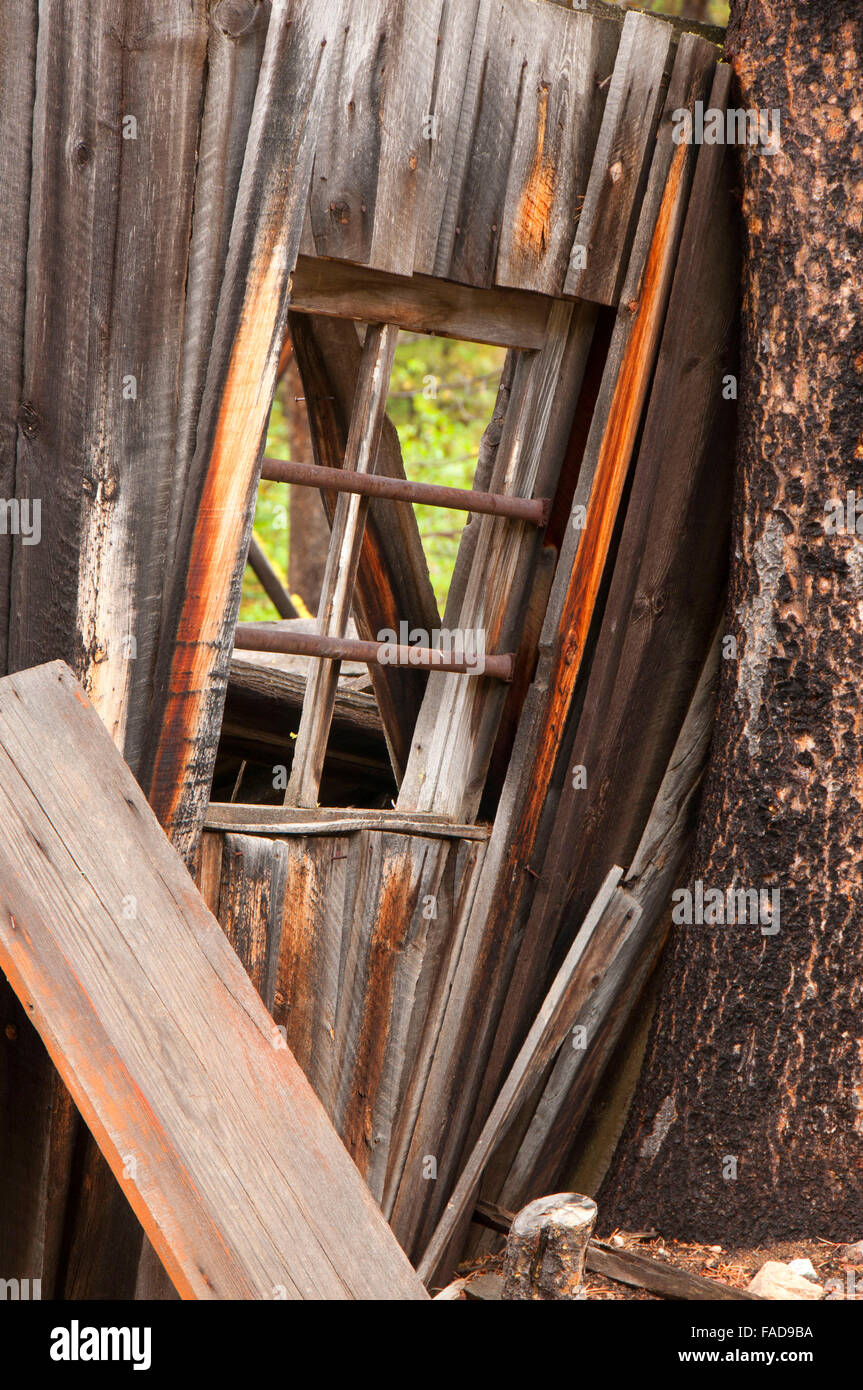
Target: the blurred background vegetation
pixel 442 396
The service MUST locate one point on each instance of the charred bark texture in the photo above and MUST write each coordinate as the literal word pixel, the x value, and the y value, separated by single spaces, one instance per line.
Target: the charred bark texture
pixel 748 1121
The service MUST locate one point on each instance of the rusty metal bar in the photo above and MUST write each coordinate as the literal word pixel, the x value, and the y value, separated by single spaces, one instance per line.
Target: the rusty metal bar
pixel 251 637
pixel 533 510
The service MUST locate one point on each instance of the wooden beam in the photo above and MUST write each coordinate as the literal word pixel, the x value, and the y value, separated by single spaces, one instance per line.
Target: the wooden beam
pixel 342 561
pixel 421 304
pixel 206 1120
pixel 248 336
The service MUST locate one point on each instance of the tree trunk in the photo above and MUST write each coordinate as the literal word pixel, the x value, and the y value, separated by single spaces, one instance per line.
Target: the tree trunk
pixel 748 1120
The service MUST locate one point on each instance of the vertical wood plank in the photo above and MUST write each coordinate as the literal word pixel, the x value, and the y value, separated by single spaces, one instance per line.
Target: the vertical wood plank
pixel 251 895
pixel 367 186
pixel 249 333
pixel 17 97
pixel 309 971
pixel 445 148
pixel 622 158
pixel 342 560
pixel 567 58
pixel 392 578
pixel 506 886
pixel 143 227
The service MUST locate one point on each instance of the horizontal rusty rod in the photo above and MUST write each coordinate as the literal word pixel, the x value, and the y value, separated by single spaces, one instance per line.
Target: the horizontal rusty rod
pixel 534 510
pixel 250 637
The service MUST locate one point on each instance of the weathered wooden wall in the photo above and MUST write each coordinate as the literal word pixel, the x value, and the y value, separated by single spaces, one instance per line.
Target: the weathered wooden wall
pixel 348 925
pixel 463 139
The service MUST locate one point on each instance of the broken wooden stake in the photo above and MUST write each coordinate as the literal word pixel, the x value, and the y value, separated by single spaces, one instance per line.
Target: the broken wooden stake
pixel 546 1249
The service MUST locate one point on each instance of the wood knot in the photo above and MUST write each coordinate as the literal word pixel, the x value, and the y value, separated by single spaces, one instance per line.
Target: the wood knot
pixel 83 153
pixel 615 171
pixel 235 17
pixel 28 420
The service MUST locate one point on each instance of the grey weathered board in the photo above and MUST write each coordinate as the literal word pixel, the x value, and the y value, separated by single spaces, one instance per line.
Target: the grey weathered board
pixel 210 1127
pixel 343 558
pixel 459 1070
pixel 248 334
pixel 666 580
pixel 474 169
pixel 353 925
pixel 623 153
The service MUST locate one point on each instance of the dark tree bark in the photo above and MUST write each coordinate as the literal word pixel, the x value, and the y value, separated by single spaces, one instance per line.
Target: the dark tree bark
pixel 755 1063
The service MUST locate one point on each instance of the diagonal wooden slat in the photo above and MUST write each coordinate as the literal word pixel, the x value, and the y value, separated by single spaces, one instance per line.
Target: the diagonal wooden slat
pixel 342 562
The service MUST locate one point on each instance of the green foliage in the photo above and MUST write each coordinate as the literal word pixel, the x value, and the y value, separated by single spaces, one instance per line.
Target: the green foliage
pixel 442 396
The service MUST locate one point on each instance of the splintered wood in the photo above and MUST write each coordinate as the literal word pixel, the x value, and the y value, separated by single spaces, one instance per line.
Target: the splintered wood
pixel 206 1119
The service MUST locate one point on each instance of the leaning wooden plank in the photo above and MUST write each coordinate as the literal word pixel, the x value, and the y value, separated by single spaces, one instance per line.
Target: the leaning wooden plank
pixel 18 86
pixel 648 655
pixel 235 46
pixel 567 59
pixel 622 158
pixel 223 1150
pixel 343 559
pixel 547 1144
pixel 33 1195
pixel 668 572
pixel 420 304
pixel 393 582
pixel 595 943
pixel 367 190
pixel 249 333
pixel 505 892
